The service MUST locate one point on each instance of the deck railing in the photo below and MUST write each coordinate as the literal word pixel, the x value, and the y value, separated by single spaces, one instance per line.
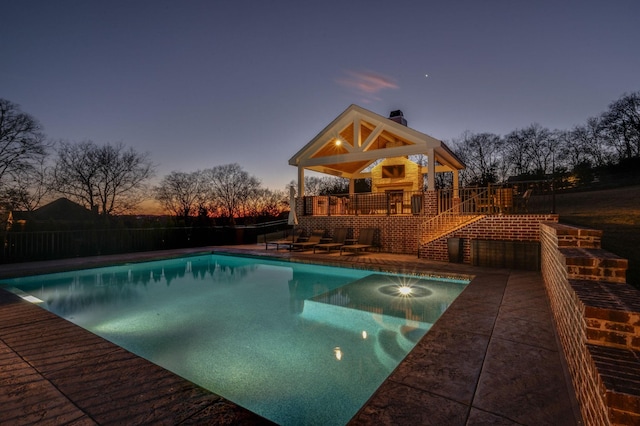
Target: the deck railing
pixel 374 203
pixel 524 197
pixel 514 198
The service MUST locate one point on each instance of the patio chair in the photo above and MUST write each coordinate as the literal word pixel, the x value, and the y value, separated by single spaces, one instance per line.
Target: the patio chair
pixel 364 242
pixel 314 238
pixel 338 240
pixel 296 236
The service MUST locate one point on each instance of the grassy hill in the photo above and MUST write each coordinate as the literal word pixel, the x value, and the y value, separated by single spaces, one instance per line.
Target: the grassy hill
pixel 614 211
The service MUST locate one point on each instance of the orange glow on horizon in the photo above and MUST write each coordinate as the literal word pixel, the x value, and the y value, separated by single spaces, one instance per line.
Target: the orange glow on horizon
pixel 150 207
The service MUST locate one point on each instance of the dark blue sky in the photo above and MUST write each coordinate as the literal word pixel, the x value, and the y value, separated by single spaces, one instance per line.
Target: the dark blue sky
pixel 204 83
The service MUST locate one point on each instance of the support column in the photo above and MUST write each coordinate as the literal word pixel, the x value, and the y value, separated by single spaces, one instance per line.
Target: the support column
pixel 456 193
pixel 431 169
pixel 300 181
pixel 456 184
pixel 352 186
pixel 430 203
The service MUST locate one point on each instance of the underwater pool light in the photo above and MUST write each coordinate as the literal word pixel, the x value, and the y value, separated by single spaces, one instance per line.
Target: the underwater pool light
pixel 337 352
pixel 32 299
pixel 404 290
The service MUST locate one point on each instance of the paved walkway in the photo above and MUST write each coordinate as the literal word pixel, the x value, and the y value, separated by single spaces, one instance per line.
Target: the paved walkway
pixel 492 358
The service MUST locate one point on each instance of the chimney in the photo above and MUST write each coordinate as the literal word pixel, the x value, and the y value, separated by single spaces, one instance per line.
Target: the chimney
pixel 398 117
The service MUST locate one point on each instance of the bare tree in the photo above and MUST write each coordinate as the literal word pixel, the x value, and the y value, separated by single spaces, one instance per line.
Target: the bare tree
pixel 22 145
pixel 228 188
pixel 266 203
pixel 622 125
pixel 325 185
pixel 482 153
pixel 584 146
pixel 566 152
pixel 595 143
pixel 541 142
pixel 517 152
pixel 32 187
pixel 75 172
pixel 109 178
pixel 312 185
pixel 179 193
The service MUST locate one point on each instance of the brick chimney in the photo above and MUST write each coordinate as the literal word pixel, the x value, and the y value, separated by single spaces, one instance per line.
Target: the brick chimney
pixel 398 117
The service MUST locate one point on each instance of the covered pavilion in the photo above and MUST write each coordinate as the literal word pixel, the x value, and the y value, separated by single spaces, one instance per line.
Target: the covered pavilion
pixel 357 138
pixel 408 216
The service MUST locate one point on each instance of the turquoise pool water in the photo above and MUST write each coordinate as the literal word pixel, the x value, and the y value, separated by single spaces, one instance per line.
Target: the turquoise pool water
pixel 295 343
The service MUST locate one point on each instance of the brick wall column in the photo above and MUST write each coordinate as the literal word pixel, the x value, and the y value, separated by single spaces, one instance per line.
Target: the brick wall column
pixel 596 315
pixel 431 203
pixel 457 207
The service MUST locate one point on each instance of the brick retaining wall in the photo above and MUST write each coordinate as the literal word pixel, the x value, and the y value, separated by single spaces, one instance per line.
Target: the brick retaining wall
pixel 400 234
pixel 598 320
pixel 490 227
pixel 396 234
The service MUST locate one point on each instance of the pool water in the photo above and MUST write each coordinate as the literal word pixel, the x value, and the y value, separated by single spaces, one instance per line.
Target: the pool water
pixel 295 343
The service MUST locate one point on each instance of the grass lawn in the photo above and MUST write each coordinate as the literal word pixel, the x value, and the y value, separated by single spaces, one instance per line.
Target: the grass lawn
pixel 614 211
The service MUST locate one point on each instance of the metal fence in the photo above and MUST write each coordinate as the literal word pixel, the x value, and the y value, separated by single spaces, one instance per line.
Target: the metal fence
pixel 530 197
pixel 19 246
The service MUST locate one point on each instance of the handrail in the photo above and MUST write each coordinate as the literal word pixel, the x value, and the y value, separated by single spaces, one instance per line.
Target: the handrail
pixel 456 216
pixel 264 224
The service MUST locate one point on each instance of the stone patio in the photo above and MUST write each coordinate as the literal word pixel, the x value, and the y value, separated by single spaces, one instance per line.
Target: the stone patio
pixel 492 358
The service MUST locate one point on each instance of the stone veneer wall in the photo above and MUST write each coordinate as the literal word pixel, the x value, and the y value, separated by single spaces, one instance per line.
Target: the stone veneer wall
pixel 597 316
pixel 490 227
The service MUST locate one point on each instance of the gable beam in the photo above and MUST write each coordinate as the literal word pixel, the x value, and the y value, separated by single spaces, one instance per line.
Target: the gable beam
pixel 372 137
pixel 322 139
pixel 439 169
pixel 376 154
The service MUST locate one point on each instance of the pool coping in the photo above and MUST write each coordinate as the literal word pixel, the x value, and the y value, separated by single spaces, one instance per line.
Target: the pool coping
pixel 509 371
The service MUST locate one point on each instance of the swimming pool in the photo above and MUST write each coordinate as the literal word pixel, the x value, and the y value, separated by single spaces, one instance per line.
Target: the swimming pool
pixel 296 343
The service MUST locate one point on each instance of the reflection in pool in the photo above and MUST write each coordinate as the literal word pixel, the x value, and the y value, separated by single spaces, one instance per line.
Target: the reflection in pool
pixel 296 343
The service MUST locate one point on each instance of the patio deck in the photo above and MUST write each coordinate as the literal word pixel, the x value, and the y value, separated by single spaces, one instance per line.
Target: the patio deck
pixel 492 358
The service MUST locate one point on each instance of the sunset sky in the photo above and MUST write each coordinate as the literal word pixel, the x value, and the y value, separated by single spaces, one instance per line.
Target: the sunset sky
pixel 204 83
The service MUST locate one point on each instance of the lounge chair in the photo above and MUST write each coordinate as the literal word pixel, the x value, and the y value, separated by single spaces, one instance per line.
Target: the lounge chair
pixel 295 237
pixel 364 242
pixel 338 240
pixel 314 238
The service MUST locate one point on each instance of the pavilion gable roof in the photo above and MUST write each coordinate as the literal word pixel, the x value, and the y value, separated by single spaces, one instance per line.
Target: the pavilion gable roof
pixel 358 137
